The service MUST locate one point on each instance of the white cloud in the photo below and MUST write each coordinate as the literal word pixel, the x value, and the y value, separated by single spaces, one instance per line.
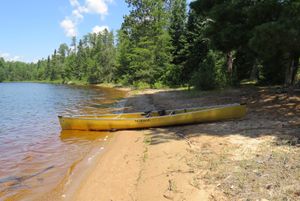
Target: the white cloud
pixel 69 27
pixel 70 23
pixel 8 57
pixel 99 29
pixel 4 55
pixel 74 3
pixel 16 58
pixel 77 14
pixel 97 6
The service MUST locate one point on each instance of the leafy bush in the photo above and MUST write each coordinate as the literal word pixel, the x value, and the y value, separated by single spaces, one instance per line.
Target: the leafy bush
pixel 220 69
pixel 92 79
pixel 141 85
pixel 159 85
pixel 2 75
pixel 205 77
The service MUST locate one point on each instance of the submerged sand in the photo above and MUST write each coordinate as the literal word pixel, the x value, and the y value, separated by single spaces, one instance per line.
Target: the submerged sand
pixel 253 158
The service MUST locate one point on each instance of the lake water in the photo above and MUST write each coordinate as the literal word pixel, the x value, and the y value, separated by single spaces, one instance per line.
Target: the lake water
pixel 34 155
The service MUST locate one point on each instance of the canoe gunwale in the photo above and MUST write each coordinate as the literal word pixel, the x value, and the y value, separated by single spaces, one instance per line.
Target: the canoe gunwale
pixel 101 117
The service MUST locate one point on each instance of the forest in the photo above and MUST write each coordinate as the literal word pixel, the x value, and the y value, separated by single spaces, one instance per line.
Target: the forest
pixel 207 44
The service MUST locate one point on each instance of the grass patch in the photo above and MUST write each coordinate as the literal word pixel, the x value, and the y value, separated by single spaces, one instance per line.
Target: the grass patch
pixel 273 172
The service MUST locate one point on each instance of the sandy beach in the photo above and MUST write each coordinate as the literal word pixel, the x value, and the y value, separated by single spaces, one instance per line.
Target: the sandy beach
pixel 231 160
pixel 150 100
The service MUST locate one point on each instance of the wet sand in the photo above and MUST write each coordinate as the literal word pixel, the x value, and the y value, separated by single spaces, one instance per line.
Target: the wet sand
pixel 231 160
pixel 36 156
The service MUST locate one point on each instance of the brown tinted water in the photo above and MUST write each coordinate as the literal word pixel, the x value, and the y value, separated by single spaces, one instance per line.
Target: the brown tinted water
pixel 34 155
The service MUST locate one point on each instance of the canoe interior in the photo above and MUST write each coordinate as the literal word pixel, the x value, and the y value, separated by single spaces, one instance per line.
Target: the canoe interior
pixel 143 115
pixel 109 122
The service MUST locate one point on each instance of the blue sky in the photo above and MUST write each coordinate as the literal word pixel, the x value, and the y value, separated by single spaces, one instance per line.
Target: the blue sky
pixel 32 29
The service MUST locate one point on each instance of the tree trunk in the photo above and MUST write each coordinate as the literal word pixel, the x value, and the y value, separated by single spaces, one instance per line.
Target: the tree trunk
pixel 254 72
pixel 291 72
pixel 230 63
pixel 295 70
pixel 288 76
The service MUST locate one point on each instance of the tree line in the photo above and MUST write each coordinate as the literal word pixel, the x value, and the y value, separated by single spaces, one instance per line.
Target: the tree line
pixel 207 44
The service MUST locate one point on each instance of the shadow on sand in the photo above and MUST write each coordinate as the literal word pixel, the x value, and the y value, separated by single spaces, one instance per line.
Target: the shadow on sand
pixel 269 113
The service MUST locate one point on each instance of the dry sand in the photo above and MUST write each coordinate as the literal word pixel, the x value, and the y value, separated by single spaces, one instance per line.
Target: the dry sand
pixel 255 158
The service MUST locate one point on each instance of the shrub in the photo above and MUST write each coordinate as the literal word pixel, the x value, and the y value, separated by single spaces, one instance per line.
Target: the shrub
pixel 205 77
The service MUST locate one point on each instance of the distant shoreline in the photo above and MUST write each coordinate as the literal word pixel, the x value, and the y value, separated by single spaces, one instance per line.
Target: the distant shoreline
pixel 77 83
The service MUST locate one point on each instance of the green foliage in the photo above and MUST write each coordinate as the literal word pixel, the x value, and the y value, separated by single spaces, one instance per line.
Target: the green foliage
pixel 123 70
pixel 218 43
pixel 15 70
pixel 205 78
pixel 144 47
pixel 91 60
pixel 254 36
pixel 245 65
pixel 267 43
pixel 2 75
pixel 197 48
pixel 2 72
pixel 159 85
pixel 275 40
pixel 141 85
pixel 220 70
pixel 177 31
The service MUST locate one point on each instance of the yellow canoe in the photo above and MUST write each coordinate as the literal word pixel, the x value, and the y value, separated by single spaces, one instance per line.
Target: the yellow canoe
pixel 111 122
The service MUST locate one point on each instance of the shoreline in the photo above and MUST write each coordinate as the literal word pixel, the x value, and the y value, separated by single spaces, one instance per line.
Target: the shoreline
pixel 122 168
pixel 125 145
pixel 76 83
pixel 195 162
pixel 76 173
pixel 81 168
pixel 107 162
pixel 84 168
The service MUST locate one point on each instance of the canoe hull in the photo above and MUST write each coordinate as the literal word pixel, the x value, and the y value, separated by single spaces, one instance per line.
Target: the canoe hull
pixel 108 124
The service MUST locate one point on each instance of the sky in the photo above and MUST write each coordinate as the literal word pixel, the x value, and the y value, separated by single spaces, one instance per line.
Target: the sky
pixel 32 29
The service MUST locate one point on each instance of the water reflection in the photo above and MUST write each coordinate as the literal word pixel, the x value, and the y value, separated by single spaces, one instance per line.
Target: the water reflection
pixel 30 136
pixel 74 136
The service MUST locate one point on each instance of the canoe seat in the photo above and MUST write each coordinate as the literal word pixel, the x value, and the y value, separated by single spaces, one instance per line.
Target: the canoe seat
pixel 147 114
pixel 172 112
pixel 161 112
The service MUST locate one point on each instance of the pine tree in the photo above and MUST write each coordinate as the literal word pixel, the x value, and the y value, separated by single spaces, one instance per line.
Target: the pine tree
pixel 177 30
pixel 124 47
pixel 63 52
pixel 108 55
pixel 48 68
pixel 149 52
pixel 53 69
pixel 2 71
pixel 81 61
